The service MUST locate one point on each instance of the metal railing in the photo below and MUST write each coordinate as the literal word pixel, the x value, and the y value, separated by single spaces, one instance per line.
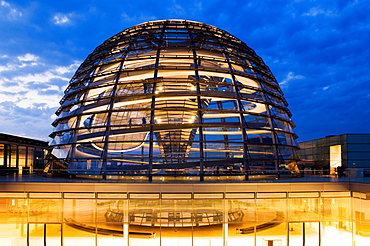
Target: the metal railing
pixel 38 175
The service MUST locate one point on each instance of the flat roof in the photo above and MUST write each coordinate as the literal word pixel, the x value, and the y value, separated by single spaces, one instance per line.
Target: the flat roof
pixel 7 138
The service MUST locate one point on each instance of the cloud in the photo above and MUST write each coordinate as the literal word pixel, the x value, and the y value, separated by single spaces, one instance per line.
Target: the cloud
pixel 23 61
pixel 38 77
pixel 21 88
pixel 187 10
pixel 137 18
pixel 3 3
pixel 289 77
pixel 30 95
pixel 318 11
pixel 28 57
pixel 60 19
pixel 176 8
pixel 198 5
pixel 30 122
pixel 63 19
pixel 5 68
pixel 8 12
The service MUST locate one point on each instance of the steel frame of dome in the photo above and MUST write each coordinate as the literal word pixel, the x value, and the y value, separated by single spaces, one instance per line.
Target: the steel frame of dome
pixel 173 98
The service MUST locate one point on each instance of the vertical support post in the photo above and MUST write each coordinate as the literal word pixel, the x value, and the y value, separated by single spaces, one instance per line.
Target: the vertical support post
pixel 225 224
pixel 320 231
pixel 104 154
pixel 61 234
pixel 26 158
pixel 28 233
pixel 200 111
pixel 96 218
pixel 243 123
pixel 62 224
pixel 126 237
pixel 288 233
pixel 304 233
pixel 17 158
pixel 44 234
pixel 108 128
pixel 6 154
pixel 152 107
pixel 200 119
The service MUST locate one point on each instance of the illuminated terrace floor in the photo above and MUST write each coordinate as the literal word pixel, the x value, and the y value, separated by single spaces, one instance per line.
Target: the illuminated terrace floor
pixel 253 179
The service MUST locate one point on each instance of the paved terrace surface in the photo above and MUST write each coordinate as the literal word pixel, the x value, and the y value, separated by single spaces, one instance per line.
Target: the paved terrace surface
pixel 218 188
pixel 267 179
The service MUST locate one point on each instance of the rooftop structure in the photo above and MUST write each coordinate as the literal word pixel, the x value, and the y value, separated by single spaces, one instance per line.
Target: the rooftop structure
pixel 348 153
pixel 173 98
pixel 21 154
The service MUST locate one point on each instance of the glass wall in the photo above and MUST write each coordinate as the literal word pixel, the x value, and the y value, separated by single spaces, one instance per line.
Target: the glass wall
pixel 2 154
pixel 20 159
pixel 333 154
pixel 233 219
pixel 22 156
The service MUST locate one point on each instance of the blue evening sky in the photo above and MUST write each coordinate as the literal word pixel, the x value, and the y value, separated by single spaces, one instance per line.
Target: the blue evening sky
pixel 319 51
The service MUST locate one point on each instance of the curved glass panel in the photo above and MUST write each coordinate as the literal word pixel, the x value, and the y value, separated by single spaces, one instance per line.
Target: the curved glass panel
pixel 173 98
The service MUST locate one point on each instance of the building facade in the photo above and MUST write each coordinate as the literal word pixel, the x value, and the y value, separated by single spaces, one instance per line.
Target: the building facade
pixel 20 154
pixel 349 152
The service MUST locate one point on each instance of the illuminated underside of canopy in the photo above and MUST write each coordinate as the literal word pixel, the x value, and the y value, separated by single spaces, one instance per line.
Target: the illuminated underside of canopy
pixel 173 97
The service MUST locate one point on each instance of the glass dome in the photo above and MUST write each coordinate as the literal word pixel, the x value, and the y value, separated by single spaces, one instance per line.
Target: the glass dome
pixel 173 98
